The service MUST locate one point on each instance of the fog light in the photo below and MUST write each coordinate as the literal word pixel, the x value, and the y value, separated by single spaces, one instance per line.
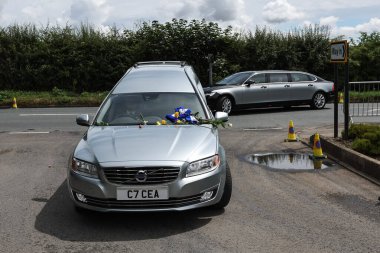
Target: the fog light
pixel 206 196
pixel 81 197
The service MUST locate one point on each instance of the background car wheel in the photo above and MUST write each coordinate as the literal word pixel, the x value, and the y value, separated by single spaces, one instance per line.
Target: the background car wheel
pixel 319 100
pixel 227 191
pixel 224 105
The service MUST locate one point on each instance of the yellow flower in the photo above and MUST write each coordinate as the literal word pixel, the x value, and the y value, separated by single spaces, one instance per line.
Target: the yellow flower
pixel 179 122
pixel 176 114
pixel 158 123
pixel 163 122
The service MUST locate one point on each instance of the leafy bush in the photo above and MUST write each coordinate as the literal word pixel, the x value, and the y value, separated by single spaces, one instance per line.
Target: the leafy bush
pixel 57 92
pixel 4 96
pixel 362 146
pixel 358 130
pixel 366 138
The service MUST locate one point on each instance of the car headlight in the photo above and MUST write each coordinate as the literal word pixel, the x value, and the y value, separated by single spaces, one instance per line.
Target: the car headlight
pixel 84 168
pixel 203 166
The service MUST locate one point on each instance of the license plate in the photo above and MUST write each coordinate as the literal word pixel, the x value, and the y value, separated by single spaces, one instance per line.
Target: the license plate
pixel 142 193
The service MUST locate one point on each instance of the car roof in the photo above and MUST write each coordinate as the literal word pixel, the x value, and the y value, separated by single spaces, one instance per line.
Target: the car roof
pixel 280 71
pixel 168 76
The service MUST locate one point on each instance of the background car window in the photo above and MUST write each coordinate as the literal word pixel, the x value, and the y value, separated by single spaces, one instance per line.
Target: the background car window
pixel 278 77
pixel 259 78
pixel 237 78
pixel 299 77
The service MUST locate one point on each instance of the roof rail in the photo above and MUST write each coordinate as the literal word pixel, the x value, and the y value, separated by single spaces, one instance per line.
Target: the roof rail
pixel 181 63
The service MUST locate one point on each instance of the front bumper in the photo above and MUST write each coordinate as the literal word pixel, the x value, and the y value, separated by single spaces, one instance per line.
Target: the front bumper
pixel 184 193
pixel 212 99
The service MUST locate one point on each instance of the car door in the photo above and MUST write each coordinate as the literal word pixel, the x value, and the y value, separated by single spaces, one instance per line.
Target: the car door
pixel 302 86
pixel 278 87
pixel 256 91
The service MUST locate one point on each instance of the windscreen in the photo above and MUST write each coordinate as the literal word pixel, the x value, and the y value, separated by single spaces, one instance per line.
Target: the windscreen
pixel 133 108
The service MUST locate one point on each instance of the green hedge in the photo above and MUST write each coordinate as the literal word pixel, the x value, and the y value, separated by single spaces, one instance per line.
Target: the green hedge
pixel 85 59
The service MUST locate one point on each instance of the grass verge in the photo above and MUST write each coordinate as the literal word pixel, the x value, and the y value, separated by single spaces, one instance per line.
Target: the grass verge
pixel 367 96
pixel 56 97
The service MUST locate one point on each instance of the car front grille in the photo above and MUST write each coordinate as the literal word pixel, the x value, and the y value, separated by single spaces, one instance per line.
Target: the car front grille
pixel 154 175
pixel 142 204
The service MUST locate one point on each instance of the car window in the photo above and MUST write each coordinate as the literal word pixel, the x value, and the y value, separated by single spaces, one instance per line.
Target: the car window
pixel 299 77
pixel 259 78
pixel 235 79
pixel 278 77
pixel 126 108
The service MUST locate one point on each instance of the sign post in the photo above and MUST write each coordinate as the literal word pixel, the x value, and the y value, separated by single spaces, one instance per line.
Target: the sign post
pixel 339 54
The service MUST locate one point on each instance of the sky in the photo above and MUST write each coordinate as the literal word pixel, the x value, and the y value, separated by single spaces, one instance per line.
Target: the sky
pixel 345 17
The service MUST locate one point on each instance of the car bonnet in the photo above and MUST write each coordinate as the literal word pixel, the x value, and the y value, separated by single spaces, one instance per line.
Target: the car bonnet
pixel 148 143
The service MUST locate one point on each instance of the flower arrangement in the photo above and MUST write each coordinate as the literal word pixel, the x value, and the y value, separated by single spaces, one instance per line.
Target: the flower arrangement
pixel 184 116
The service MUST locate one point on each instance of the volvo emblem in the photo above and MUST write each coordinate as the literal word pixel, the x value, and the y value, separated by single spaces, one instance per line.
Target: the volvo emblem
pixel 141 176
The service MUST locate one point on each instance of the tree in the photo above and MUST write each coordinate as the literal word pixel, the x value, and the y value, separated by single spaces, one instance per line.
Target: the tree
pixel 365 57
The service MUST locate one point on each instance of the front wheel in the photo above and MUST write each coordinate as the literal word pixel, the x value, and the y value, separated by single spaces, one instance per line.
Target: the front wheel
pixel 224 104
pixel 318 101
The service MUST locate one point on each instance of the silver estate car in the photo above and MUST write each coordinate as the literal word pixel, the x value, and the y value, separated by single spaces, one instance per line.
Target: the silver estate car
pixel 269 88
pixel 134 158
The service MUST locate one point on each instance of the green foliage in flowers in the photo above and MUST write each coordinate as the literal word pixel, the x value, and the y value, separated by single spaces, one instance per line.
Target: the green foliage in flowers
pixel 102 123
pixel 213 122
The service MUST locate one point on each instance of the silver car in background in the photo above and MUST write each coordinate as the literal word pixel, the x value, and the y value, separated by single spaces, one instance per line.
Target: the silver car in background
pixel 269 88
pixel 130 160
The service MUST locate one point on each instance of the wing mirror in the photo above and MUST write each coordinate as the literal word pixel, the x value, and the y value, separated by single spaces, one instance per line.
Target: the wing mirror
pixel 249 83
pixel 223 116
pixel 83 120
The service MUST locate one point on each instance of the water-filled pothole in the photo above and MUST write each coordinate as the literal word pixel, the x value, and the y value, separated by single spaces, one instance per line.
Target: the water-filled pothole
pixel 289 161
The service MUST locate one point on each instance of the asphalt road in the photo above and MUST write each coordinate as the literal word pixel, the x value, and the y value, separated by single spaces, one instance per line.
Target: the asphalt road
pixel 330 210
pixel 63 119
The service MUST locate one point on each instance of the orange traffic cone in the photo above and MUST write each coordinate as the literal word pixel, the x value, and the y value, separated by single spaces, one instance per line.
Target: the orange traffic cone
pixel 14 103
pixel 291 133
pixel 317 148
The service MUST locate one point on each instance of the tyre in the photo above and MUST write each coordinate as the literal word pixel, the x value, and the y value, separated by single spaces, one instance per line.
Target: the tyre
pixel 318 101
pixel 224 104
pixel 227 191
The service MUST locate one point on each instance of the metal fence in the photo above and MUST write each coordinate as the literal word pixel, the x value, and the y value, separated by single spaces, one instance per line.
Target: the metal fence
pixel 364 99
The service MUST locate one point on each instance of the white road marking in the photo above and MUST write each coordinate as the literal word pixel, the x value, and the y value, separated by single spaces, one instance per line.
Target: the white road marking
pixel 262 129
pixel 29 132
pixel 48 114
